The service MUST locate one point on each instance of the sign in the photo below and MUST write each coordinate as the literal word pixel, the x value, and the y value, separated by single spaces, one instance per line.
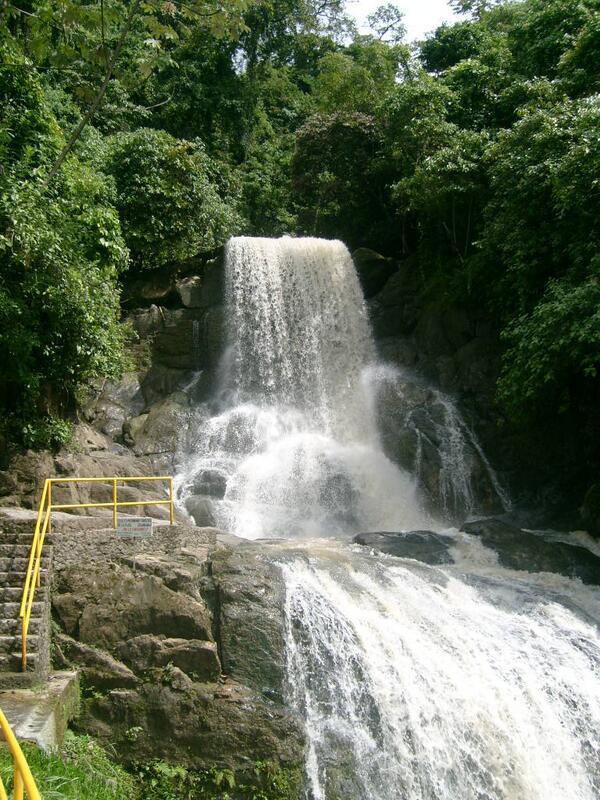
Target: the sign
pixel 135 528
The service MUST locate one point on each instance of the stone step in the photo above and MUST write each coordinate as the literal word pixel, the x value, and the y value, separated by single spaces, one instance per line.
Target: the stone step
pixel 17 578
pixel 10 610
pixel 11 594
pixel 12 644
pixel 12 550
pixel 11 662
pixel 19 564
pixel 17 538
pixel 12 626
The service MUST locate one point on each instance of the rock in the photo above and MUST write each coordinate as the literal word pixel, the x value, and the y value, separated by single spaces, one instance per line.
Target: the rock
pixel 197 658
pixel 210 482
pixel 425 546
pixel 99 669
pixel 190 291
pixel 159 430
pixel 533 552
pixel 373 270
pixel 147 322
pixel 180 343
pixel 201 510
pixel 105 604
pixel 157 286
pixel 212 288
pixel 249 603
pixel 8 483
pixel 200 726
pixel 590 510
pixel 115 403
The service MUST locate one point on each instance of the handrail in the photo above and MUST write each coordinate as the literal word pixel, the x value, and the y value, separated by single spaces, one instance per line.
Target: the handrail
pixel 23 780
pixel 44 524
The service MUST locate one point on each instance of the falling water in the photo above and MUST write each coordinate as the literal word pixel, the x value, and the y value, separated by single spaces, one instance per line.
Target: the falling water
pixel 293 441
pixel 428 684
pixel 461 682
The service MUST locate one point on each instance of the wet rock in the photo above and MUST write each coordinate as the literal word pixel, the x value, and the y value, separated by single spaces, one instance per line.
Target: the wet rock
pixel 535 552
pixel 201 510
pixel 425 546
pixel 250 598
pixel 210 482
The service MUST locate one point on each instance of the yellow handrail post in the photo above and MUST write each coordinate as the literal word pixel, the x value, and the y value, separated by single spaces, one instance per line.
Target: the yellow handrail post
pixel 50 504
pixel 171 508
pixel 115 503
pixel 17 784
pixel 23 779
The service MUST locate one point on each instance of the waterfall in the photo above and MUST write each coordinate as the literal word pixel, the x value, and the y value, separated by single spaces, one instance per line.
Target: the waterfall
pixel 417 684
pixel 293 443
pixel 460 682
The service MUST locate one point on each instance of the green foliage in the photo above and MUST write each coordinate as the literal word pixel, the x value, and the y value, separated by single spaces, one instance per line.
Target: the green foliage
pixel 60 254
pixel 553 356
pixel 167 198
pixel 265 781
pixel 81 771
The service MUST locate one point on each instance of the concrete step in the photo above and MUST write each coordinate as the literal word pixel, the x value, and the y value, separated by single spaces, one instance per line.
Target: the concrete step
pixel 41 715
pixel 12 644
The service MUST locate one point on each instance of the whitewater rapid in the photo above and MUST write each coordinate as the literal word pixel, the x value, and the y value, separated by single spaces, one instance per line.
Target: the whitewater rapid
pixel 458 682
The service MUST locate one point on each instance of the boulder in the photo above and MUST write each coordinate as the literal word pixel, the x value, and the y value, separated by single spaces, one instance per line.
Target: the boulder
pixel 114 403
pixel 201 510
pixel 201 726
pixel 98 668
pixel 249 598
pixel 146 322
pixel 535 552
pixel 190 291
pixel 195 657
pixel 209 482
pixel 159 430
pixel 105 604
pixel 425 546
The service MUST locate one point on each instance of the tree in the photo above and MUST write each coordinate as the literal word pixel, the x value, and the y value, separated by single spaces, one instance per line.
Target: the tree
pixel 167 197
pixel 388 23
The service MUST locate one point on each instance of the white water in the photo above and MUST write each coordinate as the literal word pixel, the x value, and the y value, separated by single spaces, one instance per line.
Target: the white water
pixel 416 683
pixel 294 435
pixel 468 682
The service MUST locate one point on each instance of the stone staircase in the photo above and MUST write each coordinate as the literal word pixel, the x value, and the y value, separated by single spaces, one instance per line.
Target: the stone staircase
pixel 15 544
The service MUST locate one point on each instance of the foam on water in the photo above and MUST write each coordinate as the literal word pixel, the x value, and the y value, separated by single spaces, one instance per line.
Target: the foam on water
pixel 467 682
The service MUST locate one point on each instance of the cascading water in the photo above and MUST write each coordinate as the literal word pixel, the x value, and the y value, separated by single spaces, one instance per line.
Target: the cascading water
pixel 460 682
pixel 294 441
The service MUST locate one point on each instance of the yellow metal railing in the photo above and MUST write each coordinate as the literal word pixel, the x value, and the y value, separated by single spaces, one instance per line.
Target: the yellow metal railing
pixel 23 781
pixel 44 524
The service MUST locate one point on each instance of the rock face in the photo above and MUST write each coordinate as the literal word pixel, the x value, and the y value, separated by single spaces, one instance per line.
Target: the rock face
pixel 179 641
pixel 425 546
pixel 522 550
pixel 590 510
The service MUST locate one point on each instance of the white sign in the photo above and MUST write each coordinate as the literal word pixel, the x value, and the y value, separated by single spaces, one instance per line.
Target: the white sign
pixel 135 527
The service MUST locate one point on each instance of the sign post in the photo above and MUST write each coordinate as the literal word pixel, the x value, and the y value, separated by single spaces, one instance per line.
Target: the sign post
pixel 134 528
